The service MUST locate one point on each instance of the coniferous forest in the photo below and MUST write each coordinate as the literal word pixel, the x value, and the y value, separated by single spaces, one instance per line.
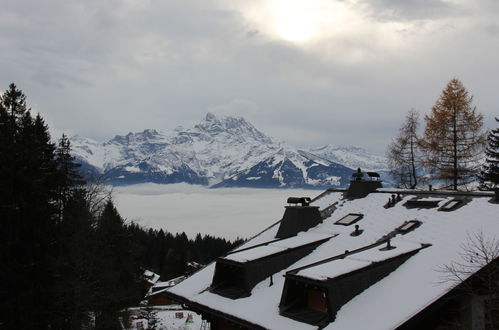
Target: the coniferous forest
pixel 68 260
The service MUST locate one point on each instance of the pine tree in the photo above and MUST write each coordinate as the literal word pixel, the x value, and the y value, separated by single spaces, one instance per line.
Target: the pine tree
pixel 68 177
pixel 28 244
pixel 453 139
pixel 490 171
pixel 403 153
pixel 14 102
pixel 120 273
pixel 76 288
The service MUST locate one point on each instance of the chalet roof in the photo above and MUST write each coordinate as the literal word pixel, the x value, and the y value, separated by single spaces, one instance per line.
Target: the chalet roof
pixel 330 269
pixel 238 272
pixel 417 281
pixel 151 277
pixel 276 246
pixel 161 286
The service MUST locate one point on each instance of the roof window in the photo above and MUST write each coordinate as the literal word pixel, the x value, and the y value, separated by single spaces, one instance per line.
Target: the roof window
pixel 426 203
pixel 452 205
pixel 409 226
pixel 349 219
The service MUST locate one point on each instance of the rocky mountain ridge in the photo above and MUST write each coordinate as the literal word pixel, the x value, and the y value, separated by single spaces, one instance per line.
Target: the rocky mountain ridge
pixel 218 151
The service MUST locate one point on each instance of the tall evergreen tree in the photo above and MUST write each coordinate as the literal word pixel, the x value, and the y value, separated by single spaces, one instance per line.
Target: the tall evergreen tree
pixel 76 268
pixel 27 247
pixel 454 139
pixel 67 173
pixel 490 171
pixel 403 153
pixel 120 273
pixel 64 257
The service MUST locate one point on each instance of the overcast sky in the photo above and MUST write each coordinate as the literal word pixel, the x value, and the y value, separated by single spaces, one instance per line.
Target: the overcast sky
pixel 310 72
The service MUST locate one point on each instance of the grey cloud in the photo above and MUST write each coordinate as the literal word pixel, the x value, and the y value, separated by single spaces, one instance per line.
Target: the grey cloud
pixel 104 68
pixel 492 29
pixel 409 10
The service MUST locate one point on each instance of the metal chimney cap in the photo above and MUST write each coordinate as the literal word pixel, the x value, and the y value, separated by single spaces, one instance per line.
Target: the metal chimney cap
pixel 304 201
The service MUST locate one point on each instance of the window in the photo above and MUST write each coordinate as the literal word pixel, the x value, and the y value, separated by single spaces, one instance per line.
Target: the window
pixel 408 226
pixel 427 203
pixel 451 205
pixel 349 219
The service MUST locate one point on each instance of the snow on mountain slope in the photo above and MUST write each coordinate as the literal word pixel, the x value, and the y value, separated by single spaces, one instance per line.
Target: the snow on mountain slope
pixel 225 151
pixel 291 168
pixel 211 151
pixel 351 156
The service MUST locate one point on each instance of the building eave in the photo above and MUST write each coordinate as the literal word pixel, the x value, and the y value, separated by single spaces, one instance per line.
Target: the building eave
pixel 207 312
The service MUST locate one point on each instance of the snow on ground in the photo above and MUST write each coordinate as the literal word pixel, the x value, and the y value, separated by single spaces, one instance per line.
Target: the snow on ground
pixel 168 320
pixel 171 319
pixel 224 212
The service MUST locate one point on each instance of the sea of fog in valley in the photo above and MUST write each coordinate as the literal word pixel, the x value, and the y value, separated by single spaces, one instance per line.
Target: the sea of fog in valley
pixel 223 212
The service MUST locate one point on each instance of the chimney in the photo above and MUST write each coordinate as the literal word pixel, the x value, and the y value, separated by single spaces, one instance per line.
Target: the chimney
pixel 360 186
pixel 298 218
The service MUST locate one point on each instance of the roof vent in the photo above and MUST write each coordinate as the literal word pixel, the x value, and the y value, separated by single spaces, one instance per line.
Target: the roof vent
pixel 388 246
pixel 298 218
pixel 363 183
pixel 357 231
pixel 393 200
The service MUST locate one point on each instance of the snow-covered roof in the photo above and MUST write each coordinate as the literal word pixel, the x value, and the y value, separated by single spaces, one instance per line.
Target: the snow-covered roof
pixel 161 286
pixel 436 240
pixel 244 255
pixel 350 263
pixel 151 277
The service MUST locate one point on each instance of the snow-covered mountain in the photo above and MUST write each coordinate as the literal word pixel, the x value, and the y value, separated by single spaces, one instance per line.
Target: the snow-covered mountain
pixel 291 167
pixel 351 156
pixel 219 151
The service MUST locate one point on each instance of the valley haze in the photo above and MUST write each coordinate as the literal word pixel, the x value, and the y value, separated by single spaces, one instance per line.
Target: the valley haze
pixel 223 212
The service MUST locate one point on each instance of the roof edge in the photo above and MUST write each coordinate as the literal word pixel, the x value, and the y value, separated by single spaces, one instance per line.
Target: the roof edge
pixel 202 308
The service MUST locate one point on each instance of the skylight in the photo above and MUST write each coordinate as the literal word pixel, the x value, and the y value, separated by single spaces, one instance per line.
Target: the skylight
pixel 422 203
pixel 349 219
pixel 451 205
pixel 408 226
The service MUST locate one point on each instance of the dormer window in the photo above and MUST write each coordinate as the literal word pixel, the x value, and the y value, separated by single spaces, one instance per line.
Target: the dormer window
pixel 349 219
pixel 314 293
pixel 239 271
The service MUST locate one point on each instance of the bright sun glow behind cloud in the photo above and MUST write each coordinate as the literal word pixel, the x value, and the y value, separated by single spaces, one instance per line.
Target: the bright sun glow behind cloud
pixel 301 20
pixel 298 22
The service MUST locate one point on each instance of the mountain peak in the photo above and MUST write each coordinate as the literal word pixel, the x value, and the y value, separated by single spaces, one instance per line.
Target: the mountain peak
pixel 237 126
pixel 210 117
